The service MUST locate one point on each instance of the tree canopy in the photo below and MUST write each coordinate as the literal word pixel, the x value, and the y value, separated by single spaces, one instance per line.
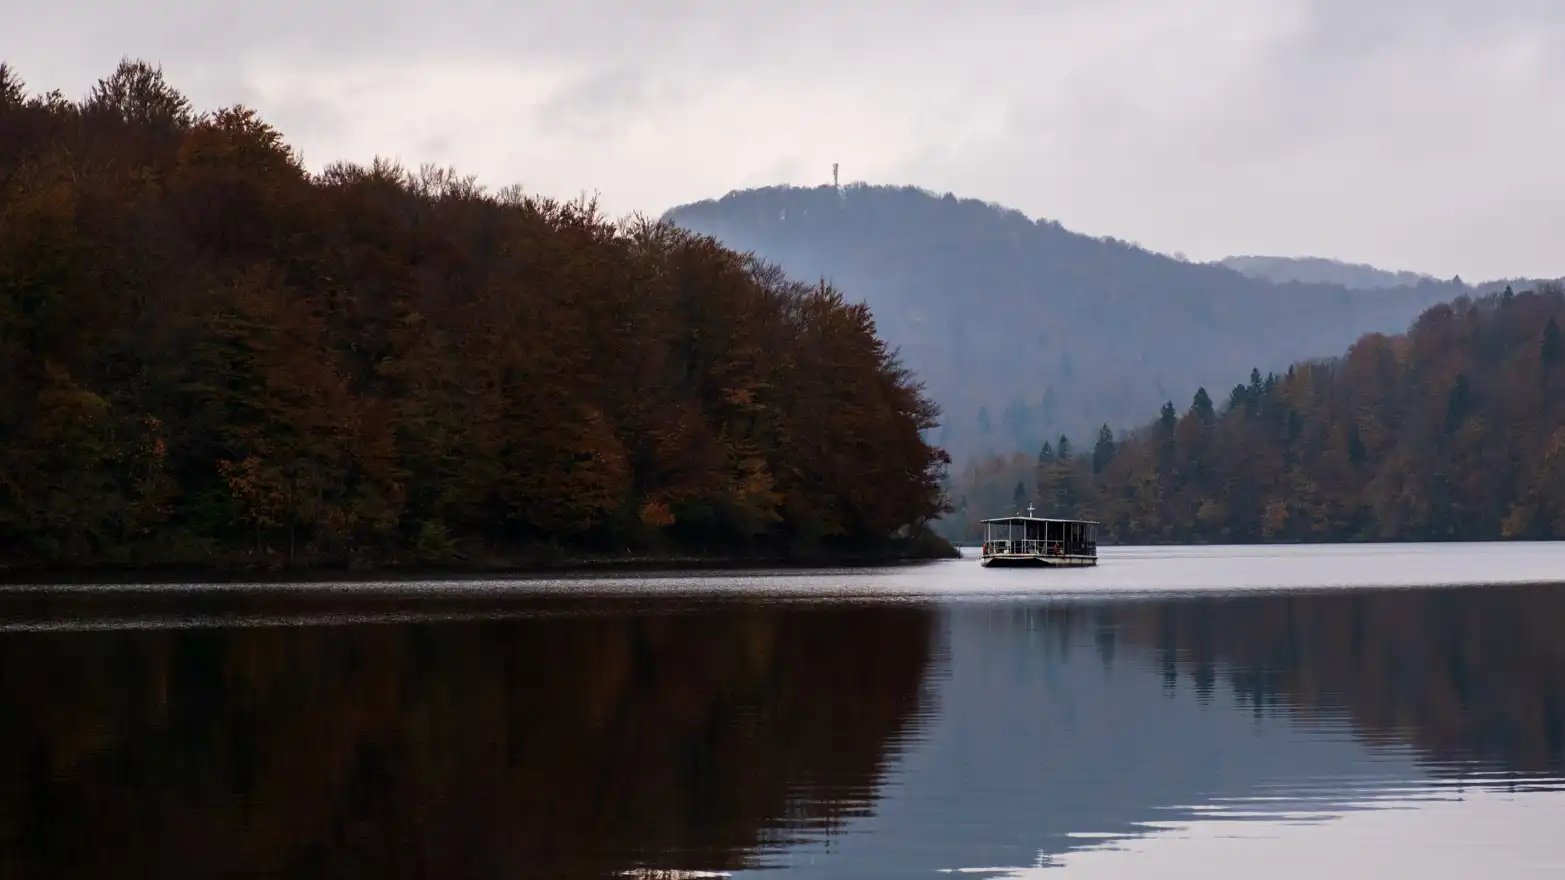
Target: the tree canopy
pixel 214 356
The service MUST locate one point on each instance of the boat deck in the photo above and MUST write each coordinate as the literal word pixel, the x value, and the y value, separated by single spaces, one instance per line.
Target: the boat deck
pixel 1039 542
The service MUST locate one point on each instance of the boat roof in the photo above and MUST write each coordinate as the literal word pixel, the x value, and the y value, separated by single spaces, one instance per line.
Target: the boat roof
pixel 1019 518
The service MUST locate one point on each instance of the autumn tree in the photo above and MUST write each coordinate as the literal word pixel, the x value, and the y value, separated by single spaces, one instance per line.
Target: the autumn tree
pixel 1441 433
pixel 215 357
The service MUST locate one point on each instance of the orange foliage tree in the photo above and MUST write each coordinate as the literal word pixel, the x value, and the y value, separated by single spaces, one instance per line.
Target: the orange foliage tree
pixel 213 356
pixel 1452 431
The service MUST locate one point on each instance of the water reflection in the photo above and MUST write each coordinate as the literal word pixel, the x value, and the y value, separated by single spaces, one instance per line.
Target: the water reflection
pixel 1463 676
pixel 576 746
pixel 468 734
pixel 1189 735
pixel 1436 830
pixel 1069 727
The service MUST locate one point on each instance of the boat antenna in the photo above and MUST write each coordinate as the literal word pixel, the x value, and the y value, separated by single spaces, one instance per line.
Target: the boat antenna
pixel 1029 510
pixel 834 181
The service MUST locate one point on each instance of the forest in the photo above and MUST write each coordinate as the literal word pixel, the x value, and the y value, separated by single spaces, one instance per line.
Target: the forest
pixel 1321 270
pixel 1454 430
pixel 214 357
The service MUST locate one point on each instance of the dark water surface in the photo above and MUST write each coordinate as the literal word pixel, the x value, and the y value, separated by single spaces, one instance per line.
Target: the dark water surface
pixel 1213 712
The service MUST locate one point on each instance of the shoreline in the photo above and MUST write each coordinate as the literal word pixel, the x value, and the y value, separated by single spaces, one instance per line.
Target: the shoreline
pixel 486 569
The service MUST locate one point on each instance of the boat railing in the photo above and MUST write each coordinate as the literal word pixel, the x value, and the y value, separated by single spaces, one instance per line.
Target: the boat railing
pixel 1029 548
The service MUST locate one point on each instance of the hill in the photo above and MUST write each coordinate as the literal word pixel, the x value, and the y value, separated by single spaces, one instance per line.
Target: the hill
pixel 1454 430
pixel 1320 270
pixel 1023 330
pixel 215 358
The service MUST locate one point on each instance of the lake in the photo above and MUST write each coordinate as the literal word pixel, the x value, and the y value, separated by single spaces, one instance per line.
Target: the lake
pixel 1363 711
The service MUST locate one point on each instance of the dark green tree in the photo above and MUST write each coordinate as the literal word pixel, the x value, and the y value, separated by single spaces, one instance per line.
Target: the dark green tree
pixel 1356 452
pixel 1046 455
pixel 1103 451
pixel 1201 406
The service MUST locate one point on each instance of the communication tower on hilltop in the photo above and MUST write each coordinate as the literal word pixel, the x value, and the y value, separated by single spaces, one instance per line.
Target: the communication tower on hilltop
pixel 834 181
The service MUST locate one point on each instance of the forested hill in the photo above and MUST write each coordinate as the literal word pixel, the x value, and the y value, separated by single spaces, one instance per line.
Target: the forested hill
pixel 213 357
pixel 1023 330
pixel 1320 270
pixel 1452 431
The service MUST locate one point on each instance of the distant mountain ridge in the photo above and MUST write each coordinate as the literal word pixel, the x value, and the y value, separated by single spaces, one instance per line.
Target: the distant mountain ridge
pixel 1023 330
pixel 1322 270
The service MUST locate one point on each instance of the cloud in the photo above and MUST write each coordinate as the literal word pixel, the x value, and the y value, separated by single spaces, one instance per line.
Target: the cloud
pixel 1407 134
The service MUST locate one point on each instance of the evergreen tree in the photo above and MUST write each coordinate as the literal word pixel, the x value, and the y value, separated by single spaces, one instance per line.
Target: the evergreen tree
pixel 1238 399
pixel 1356 451
pixel 1046 455
pixel 1201 406
pixel 1103 452
pixel 1046 460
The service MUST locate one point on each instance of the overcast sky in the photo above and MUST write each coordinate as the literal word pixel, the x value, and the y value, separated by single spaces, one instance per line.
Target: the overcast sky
pixel 1417 134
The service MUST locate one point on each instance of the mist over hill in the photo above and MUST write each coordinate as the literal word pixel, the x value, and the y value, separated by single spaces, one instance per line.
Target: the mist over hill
pixel 1322 270
pixel 1023 330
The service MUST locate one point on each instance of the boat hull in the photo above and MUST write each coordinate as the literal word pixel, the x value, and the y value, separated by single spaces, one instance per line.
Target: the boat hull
pixel 1020 561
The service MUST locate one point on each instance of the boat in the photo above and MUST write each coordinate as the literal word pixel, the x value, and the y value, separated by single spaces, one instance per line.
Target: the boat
pixel 1038 541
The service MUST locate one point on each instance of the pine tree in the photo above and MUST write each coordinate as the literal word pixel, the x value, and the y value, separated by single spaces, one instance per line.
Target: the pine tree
pixel 1356 451
pixel 1201 406
pixel 1103 452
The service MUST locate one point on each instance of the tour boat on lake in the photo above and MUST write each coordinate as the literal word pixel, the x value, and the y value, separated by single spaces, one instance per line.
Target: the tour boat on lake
pixel 1036 541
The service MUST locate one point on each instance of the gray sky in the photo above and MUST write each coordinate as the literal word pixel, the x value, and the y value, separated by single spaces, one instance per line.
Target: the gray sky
pixel 1418 134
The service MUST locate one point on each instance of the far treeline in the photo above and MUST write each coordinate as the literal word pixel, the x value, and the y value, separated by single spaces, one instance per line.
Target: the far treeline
pixel 215 358
pixel 1452 431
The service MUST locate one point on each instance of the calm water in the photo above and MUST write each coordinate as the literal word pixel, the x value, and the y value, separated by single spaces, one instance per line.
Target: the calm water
pixel 1214 712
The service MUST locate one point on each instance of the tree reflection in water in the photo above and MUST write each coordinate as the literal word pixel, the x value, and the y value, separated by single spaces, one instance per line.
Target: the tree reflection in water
pixel 571 746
